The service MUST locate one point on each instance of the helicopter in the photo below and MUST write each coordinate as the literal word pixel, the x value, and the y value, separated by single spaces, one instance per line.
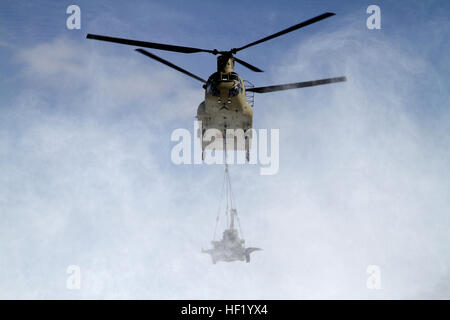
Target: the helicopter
pixel 227 106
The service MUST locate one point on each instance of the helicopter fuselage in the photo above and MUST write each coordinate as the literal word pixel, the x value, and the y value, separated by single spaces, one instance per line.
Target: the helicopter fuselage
pixel 225 106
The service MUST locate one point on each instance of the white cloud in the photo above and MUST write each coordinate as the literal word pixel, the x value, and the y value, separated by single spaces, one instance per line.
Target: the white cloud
pixel 86 181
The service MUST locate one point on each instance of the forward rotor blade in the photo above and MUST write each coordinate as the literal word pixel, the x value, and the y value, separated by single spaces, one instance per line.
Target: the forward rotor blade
pixel 297 26
pixel 170 64
pixel 152 45
pixel 296 85
pixel 248 65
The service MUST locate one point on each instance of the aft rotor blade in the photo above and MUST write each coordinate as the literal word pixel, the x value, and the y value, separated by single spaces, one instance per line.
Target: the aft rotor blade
pixel 248 65
pixel 296 85
pixel 170 64
pixel 297 26
pixel 145 44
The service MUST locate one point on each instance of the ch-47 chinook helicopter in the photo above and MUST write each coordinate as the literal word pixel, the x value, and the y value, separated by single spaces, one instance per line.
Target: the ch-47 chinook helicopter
pixel 226 104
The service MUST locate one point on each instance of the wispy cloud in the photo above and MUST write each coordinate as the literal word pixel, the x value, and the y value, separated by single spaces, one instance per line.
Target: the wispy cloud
pixel 87 180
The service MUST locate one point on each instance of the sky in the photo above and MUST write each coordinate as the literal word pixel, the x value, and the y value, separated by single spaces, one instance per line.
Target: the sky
pixel 87 179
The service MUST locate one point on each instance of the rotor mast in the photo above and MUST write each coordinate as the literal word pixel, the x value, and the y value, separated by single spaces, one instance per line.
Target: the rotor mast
pixel 225 63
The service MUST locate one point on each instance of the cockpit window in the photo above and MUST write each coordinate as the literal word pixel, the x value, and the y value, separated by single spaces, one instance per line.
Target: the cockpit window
pixel 214 79
pixel 211 87
pixel 224 76
pixel 235 90
pixel 233 76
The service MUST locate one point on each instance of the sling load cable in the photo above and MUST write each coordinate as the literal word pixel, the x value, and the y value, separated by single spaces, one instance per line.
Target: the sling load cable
pixel 224 185
pixel 226 198
pixel 220 206
pixel 230 192
pixel 231 198
pixel 227 178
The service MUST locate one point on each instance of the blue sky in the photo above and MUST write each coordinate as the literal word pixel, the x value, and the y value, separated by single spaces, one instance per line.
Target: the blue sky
pixel 85 152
